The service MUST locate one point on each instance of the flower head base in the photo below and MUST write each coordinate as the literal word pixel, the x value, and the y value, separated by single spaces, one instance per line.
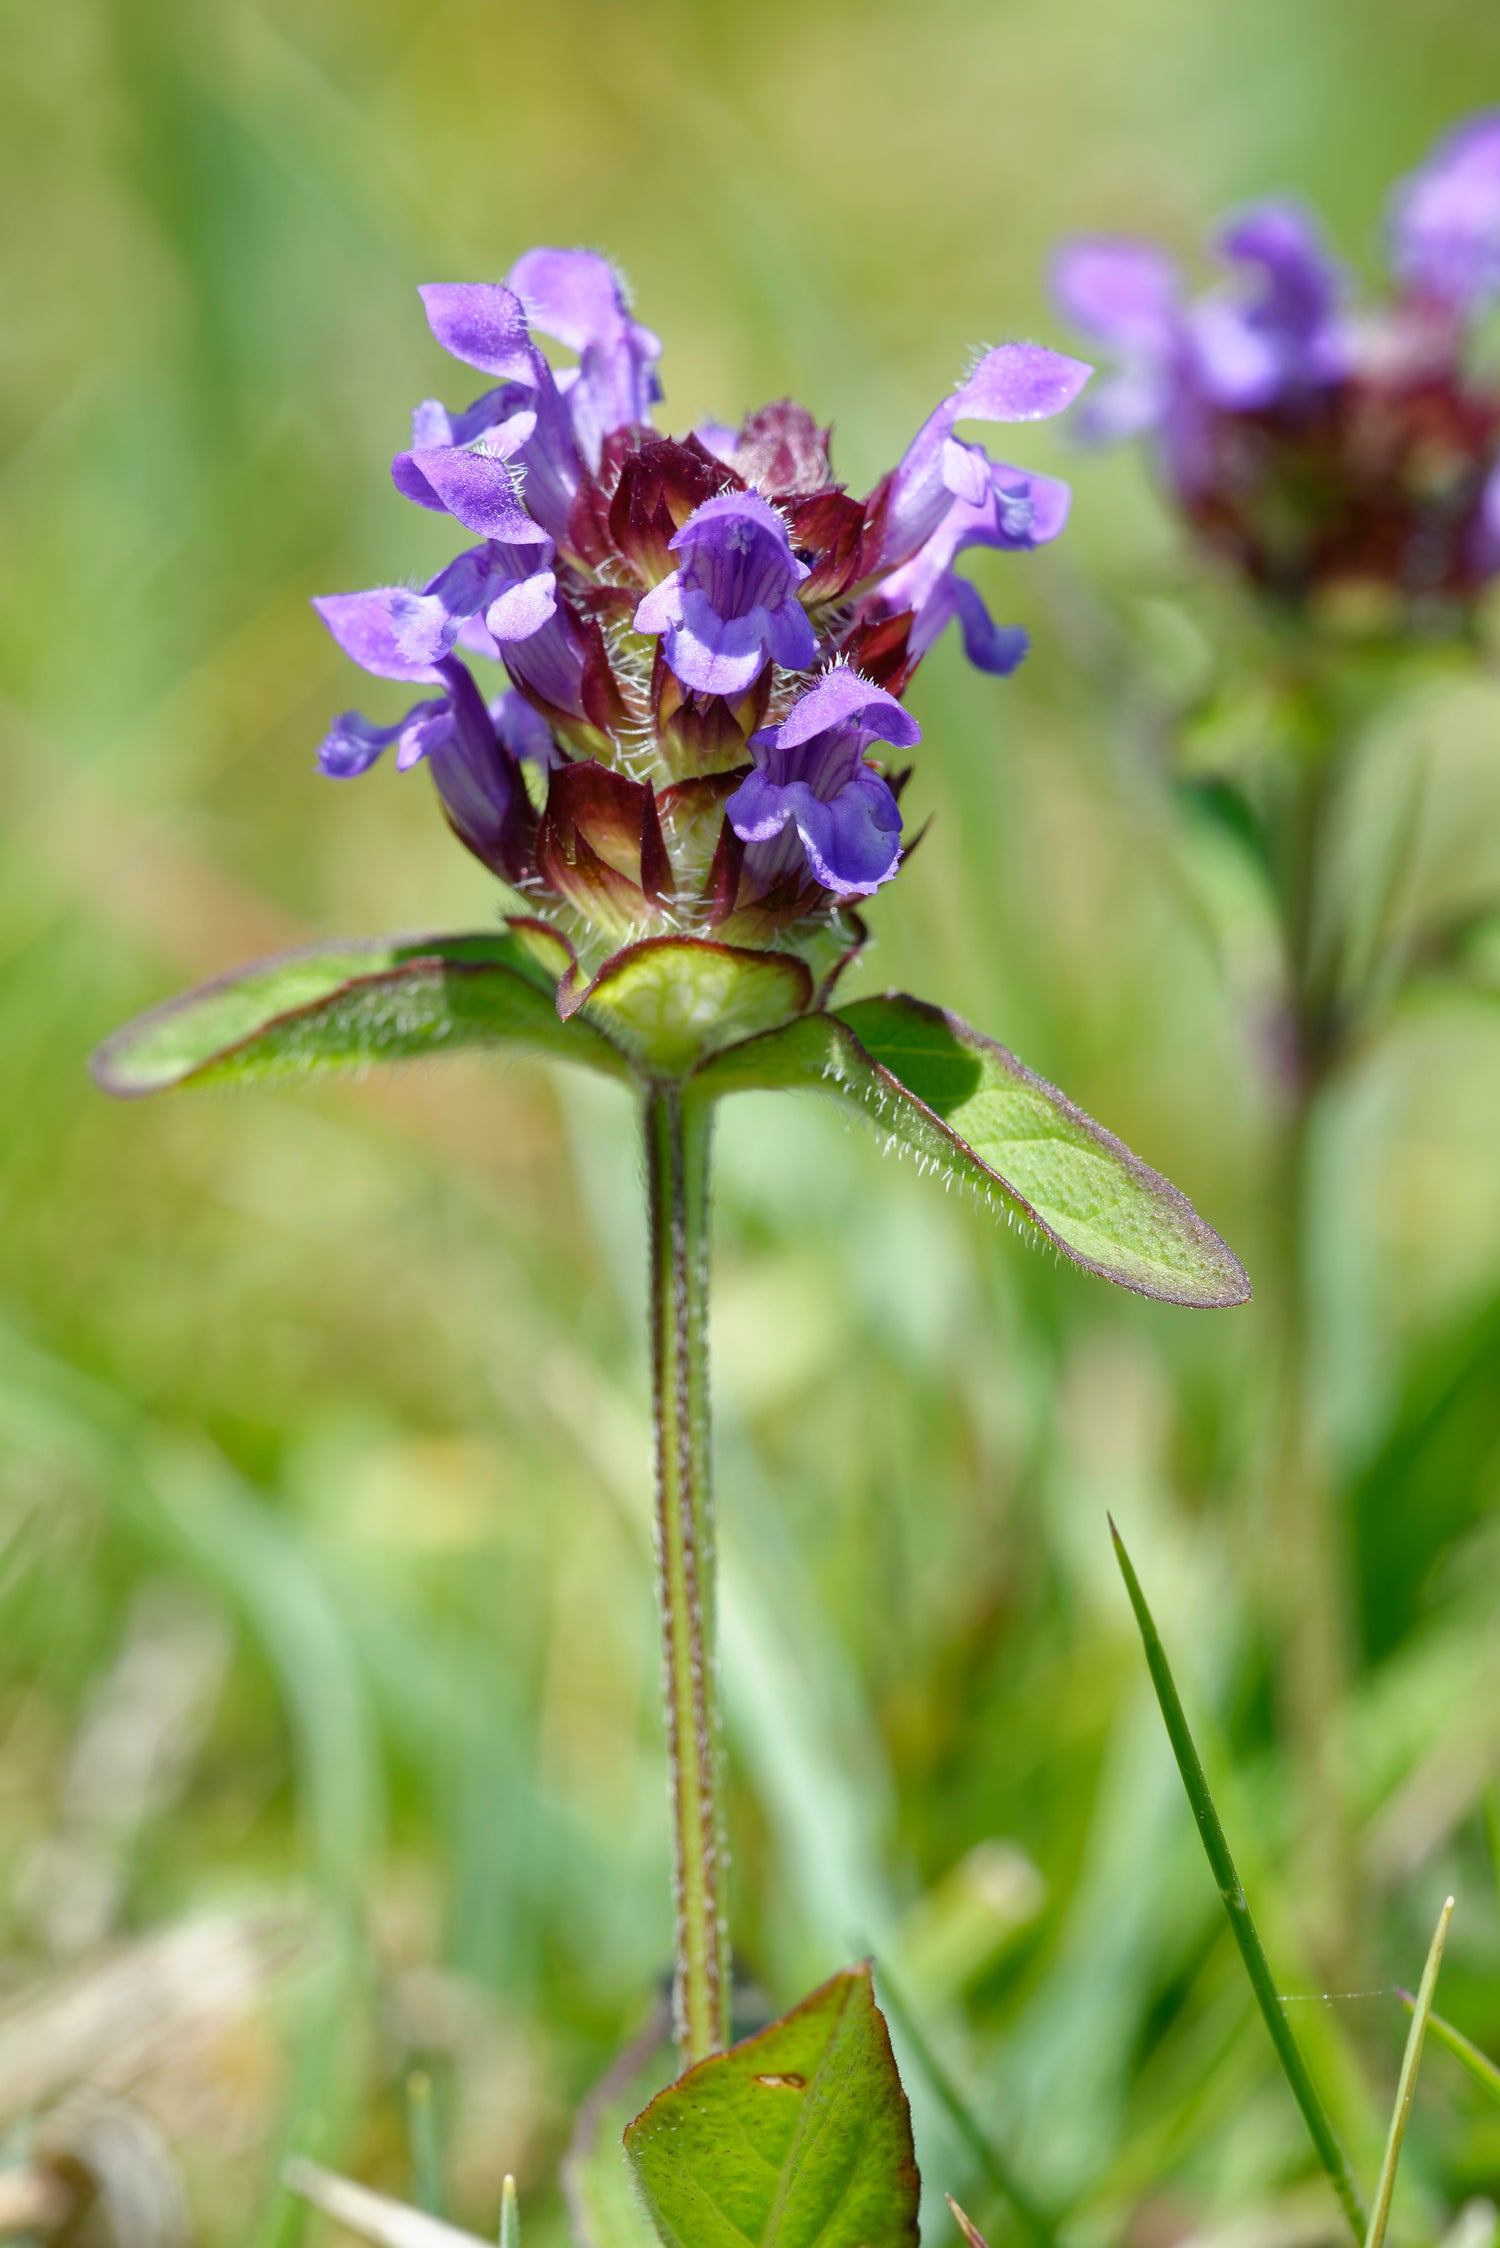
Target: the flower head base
pixel 707 639
pixel 1343 460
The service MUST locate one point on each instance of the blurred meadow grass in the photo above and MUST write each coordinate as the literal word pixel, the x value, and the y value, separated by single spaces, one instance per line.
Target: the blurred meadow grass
pixel 325 1602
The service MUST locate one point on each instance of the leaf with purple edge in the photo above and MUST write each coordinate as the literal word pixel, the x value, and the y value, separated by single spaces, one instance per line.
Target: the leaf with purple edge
pixel 801 2133
pixel 346 1006
pixel 968 1110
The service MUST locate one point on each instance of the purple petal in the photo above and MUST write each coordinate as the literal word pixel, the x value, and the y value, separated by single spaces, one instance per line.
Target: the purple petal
pixel 1445 217
pixel 577 298
pixel 524 731
pixel 990 647
pixel 372 627
pixel 1019 382
pixel 854 843
pixel 482 324
pixel 718 438
pixel 841 698
pixel 716 655
pixel 475 488
pixel 1233 362
pixel 573 296
pixel 790 636
pixel 1124 404
pixel 1125 292
pixel 852 840
pixel 354 742
pixel 522 607
pixel 662 607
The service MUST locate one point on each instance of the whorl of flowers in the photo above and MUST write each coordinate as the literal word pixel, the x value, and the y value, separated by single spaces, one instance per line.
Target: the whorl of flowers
pixel 704 636
pixel 1329 450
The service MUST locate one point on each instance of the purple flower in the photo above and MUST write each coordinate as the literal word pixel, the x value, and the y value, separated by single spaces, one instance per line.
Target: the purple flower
pixel 1445 218
pixel 472 753
pixel 553 424
pixel 577 299
pixel 813 798
pixel 731 604
pixel 1278 333
pixel 1015 383
pixel 991 505
pixel 398 634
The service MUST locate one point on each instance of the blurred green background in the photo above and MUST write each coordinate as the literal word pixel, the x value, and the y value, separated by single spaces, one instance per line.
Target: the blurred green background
pixel 327 1652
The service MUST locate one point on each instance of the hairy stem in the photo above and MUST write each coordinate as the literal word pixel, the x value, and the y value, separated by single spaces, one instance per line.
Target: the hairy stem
pixel 677 1155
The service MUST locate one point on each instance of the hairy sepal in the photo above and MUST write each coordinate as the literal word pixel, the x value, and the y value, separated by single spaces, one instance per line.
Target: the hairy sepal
pixel 347 1006
pixel 967 1109
pixel 801 2133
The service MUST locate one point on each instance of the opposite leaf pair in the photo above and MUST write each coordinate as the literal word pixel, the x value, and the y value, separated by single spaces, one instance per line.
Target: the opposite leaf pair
pixel 695 1013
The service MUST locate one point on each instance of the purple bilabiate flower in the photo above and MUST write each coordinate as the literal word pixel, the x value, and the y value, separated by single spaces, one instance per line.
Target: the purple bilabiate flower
pixel 576 298
pixel 1445 218
pixel 1017 382
pixel 398 634
pixel 813 798
pixel 1128 294
pixel 992 505
pixel 731 605
pixel 1286 333
pixel 472 753
pixel 1238 349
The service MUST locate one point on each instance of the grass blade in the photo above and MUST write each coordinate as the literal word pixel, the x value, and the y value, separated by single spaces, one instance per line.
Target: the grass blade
pixel 1216 1847
pixel 1041 2228
pixel 1478 2064
pixel 421 2130
pixel 510 2214
pixel 966 2225
pixel 1411 2061
pixel 369 2215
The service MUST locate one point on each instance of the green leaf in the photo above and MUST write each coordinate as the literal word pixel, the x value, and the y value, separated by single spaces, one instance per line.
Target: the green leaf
pixel 669 1001
pixel 1411 2062
pixel 970 1111
pixel 1236 1904
pixel 345 1006
pixel 801 2134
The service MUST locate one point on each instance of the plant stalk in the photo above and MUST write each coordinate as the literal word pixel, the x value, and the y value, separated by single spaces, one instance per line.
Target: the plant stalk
pixel 1307 1531
pixel 677 1130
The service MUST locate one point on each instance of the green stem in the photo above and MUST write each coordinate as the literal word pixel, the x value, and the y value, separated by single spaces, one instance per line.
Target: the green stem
pixel 1307 1534
pixel 677 1171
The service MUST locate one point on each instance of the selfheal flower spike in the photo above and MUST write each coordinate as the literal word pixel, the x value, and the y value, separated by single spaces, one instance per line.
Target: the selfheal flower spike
pixel 707 638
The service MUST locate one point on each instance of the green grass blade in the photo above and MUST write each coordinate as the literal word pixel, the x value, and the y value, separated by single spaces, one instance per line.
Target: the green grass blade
pixel 1216 1847
pixel 1492 1830
pixel 992 2162
pixel 421 2130
pixel 1411 2061
pixel 1478 2064
pixel 510 2214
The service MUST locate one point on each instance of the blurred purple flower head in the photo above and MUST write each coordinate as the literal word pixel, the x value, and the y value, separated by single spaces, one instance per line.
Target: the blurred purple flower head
pixel 1324 447
pixel 707 638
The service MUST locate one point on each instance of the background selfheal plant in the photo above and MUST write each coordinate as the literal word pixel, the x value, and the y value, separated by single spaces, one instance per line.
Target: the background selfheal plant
pixel 708 641
pixel 1343 459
